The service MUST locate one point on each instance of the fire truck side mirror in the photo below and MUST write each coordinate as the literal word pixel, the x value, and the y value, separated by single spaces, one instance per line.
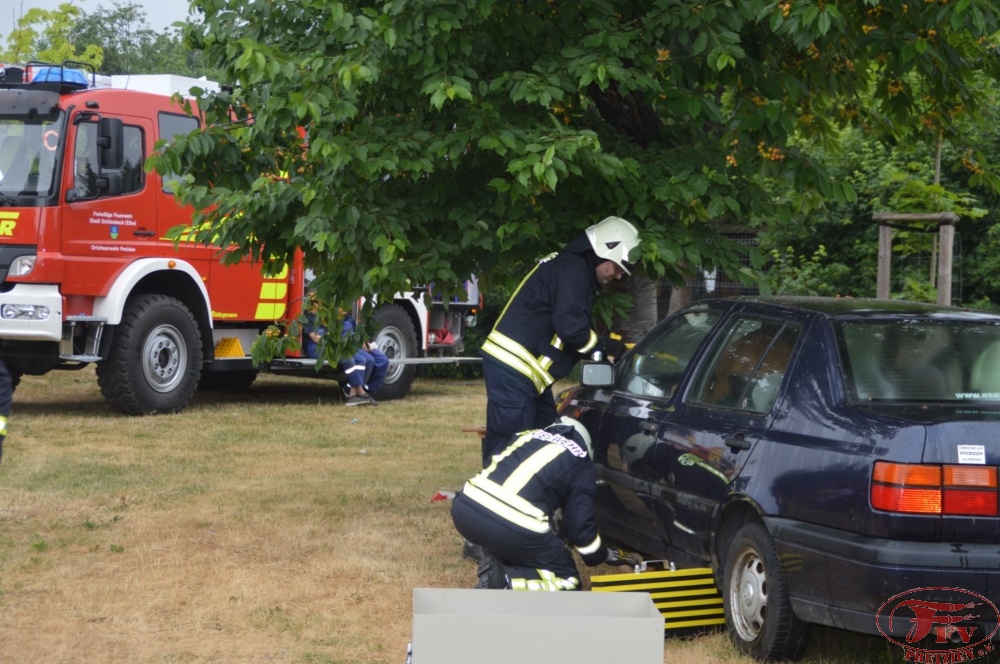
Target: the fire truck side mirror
pixel 110 184
pixel 111 141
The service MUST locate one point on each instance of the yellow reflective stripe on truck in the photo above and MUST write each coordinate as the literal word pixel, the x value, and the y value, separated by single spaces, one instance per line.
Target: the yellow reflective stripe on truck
pixel 273 296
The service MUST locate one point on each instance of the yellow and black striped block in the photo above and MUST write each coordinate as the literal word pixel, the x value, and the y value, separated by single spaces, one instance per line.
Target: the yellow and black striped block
pixel 687 598
pixel 229 347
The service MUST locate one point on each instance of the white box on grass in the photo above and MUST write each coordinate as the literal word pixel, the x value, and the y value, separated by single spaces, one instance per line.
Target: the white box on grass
pixel 454 626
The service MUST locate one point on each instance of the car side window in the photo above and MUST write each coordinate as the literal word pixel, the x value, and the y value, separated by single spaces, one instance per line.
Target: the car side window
pixel 748 365
pixel 656 367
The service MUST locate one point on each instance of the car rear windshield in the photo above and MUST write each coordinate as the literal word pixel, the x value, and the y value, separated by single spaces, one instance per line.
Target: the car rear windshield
pixel 928 360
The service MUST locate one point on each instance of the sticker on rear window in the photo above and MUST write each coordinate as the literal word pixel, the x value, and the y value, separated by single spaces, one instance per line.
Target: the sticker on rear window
pixel 972 454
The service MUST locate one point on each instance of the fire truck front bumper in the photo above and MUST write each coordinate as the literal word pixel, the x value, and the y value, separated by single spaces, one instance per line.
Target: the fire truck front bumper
pixel 31 312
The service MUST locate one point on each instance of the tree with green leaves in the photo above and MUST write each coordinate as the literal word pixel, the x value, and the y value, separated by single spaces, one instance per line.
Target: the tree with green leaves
pixel 46 35
pixel 124 35
pixel 935 169
pixel 445 138
pixel 131 46
pixel 118 40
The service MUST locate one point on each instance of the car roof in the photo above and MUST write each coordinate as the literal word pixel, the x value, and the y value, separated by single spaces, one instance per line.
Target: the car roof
pixel 850 307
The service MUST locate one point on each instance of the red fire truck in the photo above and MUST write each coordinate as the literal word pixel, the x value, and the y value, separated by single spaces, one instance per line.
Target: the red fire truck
pixel 88 276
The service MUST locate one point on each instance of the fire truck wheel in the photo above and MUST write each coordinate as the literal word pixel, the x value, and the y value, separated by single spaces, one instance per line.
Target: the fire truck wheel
pixel 398 340
pixel 155 358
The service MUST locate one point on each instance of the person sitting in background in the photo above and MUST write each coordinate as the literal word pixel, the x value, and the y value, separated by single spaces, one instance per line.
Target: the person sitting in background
pixel 312 333
pixel 375 362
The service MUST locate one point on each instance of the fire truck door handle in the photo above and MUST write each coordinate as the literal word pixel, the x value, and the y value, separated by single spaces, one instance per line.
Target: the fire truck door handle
pixel 144 233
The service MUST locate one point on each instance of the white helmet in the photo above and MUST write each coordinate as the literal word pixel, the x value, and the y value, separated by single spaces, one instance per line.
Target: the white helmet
pixel 613 240
pixel 580 429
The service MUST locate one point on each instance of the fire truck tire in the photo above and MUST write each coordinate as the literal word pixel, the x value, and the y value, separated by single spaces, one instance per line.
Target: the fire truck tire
pixel 398 340
pixel 155 358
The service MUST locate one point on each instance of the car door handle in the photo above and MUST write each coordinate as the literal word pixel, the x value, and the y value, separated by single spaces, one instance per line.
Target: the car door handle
pixel 144 233
pixel 737 442
pixel 649 427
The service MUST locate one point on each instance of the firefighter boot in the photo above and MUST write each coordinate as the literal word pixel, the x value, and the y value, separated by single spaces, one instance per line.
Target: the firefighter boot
pixel 492 575
pixel 472 551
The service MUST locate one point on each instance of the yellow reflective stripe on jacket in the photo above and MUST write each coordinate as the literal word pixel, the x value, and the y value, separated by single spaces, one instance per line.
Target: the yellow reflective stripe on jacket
pixel 590 345
pixel 514 354
pixel 517 357
pixel 556 343
pixel 512 499
pixel 531 467
pixel 593 547
pixel 515 363
pixel 501 507
pixel 3 425
pixel 511 346
pixel 522 438
pixel 523 281
pixel 547 582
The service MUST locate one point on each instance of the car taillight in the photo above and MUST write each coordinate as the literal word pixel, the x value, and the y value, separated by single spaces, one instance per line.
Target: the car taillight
pixel 958 490
pixel 970 490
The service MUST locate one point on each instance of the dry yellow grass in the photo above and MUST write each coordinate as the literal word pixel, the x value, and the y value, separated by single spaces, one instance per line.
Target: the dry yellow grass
pixel 273 526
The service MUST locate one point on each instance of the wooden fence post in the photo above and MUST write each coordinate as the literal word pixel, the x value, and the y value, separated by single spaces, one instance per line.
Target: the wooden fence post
pixel 946 232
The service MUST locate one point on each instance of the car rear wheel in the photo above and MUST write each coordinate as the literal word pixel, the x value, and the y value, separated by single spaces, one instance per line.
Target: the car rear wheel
pixel 759 614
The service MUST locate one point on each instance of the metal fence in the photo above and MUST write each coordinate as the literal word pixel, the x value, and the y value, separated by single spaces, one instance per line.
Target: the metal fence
pixel 706 285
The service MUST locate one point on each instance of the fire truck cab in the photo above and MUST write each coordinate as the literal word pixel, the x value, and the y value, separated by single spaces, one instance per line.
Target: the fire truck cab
pixel 87 274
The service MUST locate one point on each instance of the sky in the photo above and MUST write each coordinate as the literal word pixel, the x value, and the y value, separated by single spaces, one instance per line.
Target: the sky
pixel 159 13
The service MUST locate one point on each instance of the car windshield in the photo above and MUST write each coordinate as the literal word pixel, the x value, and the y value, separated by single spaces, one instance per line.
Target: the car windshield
pixel 925 360
pixel 28 149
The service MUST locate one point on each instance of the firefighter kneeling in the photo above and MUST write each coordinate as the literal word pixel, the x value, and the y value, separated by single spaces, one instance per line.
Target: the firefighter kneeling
pixel 509 508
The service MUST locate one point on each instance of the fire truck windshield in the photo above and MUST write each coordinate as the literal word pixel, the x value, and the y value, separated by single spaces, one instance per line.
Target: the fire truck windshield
pixel 29 155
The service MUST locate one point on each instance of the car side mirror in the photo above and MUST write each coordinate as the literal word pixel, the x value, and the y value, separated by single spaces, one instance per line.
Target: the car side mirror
pixel 597 374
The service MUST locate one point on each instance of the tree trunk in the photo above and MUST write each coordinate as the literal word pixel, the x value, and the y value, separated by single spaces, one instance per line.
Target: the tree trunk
pixel 643 316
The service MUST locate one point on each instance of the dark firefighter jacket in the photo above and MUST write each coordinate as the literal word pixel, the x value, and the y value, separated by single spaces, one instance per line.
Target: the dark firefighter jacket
pixel 538 473
pixel 546 326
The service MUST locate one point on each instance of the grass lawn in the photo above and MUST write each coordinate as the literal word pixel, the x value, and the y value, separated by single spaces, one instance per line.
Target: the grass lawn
pixel 275 525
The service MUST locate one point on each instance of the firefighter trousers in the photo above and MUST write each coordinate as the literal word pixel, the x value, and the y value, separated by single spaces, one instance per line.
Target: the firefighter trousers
pixel 513 405
pixel 526 555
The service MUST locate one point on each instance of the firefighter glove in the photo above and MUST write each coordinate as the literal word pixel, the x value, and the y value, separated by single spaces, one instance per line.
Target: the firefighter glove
pixel 619 557
pixel 612 346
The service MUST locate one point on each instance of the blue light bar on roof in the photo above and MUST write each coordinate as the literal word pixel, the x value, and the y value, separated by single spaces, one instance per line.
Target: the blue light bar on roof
pixel 59 75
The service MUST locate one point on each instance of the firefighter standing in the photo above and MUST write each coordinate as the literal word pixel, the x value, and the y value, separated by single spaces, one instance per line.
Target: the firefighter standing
pixel 6 398
pixel 546 328
pixel 508 509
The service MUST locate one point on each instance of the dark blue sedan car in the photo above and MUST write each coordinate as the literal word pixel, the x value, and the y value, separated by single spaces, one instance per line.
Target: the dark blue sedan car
pixel 834 461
